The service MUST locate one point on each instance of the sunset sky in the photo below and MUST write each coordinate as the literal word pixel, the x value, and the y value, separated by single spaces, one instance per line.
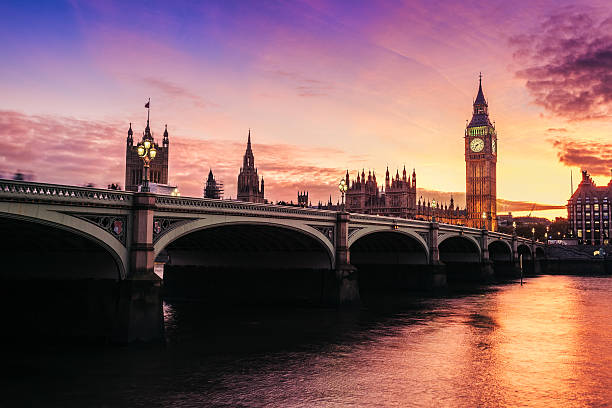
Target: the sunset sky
pixel 324 86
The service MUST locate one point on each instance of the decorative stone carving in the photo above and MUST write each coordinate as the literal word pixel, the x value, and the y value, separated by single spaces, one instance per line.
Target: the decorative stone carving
pixel 325 230
pixel 425 236
pixel 353 230
pixel 161 225
pixel 116 225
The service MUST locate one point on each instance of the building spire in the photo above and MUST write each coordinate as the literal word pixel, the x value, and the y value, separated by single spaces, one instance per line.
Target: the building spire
pixel 480 99
pixel 148 106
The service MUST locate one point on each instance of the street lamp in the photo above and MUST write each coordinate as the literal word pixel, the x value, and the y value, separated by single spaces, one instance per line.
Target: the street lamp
pixel 533 233
pixel 343 187
pixel 484 217
pixel 147 152
pixel 514 227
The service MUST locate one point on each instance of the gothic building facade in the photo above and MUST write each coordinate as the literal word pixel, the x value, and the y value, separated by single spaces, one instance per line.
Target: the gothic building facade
pixel 249 188
pixel 449 214
pixel 397 199
pixel 589 211
pixel 480 166
pixel 158 171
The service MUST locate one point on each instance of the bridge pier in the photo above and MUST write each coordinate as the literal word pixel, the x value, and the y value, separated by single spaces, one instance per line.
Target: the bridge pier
pixel 486 268
pixel 140 312
pixel 437 277
pixel 346 274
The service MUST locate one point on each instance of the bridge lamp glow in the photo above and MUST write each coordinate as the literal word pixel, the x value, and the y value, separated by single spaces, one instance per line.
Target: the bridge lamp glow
pixel 343 187
pixel 146 151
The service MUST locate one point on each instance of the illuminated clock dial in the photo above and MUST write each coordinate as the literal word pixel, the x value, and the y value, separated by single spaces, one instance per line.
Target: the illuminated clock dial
pixel 494 146
pixel 477 145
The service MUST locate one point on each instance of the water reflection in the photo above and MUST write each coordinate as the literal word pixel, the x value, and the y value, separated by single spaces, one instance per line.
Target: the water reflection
pixel 548 343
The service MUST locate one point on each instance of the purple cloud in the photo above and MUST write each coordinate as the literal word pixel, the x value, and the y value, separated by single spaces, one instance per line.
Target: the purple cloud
pixel 568 64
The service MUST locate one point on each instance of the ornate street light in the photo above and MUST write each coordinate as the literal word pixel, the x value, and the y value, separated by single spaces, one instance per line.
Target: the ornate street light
pixel 514 227
pixel 533 233
pixel 147 152
pixel 343 187
pixel 484 218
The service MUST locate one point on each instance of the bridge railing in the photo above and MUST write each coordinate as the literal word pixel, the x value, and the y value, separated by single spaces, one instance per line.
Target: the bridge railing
pixel 31 192
pixel 165 202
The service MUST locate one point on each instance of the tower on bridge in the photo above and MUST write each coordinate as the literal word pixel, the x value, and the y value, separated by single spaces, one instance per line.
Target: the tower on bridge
pixel 480 166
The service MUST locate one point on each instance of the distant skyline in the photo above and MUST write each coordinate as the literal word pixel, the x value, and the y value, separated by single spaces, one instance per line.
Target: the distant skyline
pixel 324 87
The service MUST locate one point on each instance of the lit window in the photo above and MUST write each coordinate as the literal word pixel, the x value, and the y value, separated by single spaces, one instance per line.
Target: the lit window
pixel 579 233
pixel 596 206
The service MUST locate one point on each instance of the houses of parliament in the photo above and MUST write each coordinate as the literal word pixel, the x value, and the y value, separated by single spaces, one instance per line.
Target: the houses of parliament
pixel 398 197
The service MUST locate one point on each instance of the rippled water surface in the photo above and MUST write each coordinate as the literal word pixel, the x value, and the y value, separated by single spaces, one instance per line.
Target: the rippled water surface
pixel 548 343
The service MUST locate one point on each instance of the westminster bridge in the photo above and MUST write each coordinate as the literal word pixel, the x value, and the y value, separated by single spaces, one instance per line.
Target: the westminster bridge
pixel 69 244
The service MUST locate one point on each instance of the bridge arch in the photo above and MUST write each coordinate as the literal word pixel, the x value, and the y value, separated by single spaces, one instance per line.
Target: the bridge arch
pixel 190 227
pixel 540 253
pixel 45 222
pixel 393 246
pixel 500 251
pixel 247 261
pixel 525 250
pixel 401 231
pixel 451 246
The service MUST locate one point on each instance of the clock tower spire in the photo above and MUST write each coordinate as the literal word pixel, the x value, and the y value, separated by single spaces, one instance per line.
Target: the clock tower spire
pixel 480 166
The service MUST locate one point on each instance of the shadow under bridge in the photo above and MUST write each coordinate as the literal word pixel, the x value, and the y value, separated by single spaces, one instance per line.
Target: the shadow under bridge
pixel 236 264
pixel 390 260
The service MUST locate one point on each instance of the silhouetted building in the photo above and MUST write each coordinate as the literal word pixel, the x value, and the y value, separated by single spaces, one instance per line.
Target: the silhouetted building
pixel 589 212
pixel 480 166
pixel 303 198
pixel 213 188
pixel 398 199
pixel 249 188
pixel 448 214
pixel 158 171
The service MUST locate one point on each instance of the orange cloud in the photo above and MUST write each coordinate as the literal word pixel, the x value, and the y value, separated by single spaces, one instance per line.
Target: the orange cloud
pixel 591 155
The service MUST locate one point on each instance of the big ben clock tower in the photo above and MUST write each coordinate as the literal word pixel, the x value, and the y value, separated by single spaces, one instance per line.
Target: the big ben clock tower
pixel 480 166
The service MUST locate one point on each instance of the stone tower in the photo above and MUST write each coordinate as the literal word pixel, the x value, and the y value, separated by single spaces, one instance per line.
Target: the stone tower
pixel 480 166
pixel 248 179
pixel 158 172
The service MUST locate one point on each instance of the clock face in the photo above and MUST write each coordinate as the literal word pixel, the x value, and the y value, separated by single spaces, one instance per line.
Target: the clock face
pixel 477 145
pixel 494 146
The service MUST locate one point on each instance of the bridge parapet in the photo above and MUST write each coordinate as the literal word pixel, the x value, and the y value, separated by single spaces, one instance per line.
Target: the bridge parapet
pixel 32 192
pixel 188 204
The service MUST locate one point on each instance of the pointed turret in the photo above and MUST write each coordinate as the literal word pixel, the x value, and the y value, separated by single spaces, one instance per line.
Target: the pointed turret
pixel 249 158
pixel 404 173
pixel 166 140
pixel 480 99
pixel 130 136
pixel 387 180
pixel 414 179
pixel 480 115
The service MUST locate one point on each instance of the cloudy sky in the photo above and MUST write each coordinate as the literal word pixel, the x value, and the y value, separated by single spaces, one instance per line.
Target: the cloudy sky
pixel 325 86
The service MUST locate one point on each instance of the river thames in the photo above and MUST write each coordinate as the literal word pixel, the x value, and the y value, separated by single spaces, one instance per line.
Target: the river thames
pixel 547 343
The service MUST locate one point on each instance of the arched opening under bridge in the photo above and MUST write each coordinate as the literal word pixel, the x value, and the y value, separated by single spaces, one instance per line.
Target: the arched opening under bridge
pixel 525 258
pixel 56 283
pixel 242 264
pixel 500 254
pixel 390 260
pixel 461 256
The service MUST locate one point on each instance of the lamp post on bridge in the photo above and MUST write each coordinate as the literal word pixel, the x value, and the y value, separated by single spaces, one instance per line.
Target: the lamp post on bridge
pixel 147 152
pixel 343 187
